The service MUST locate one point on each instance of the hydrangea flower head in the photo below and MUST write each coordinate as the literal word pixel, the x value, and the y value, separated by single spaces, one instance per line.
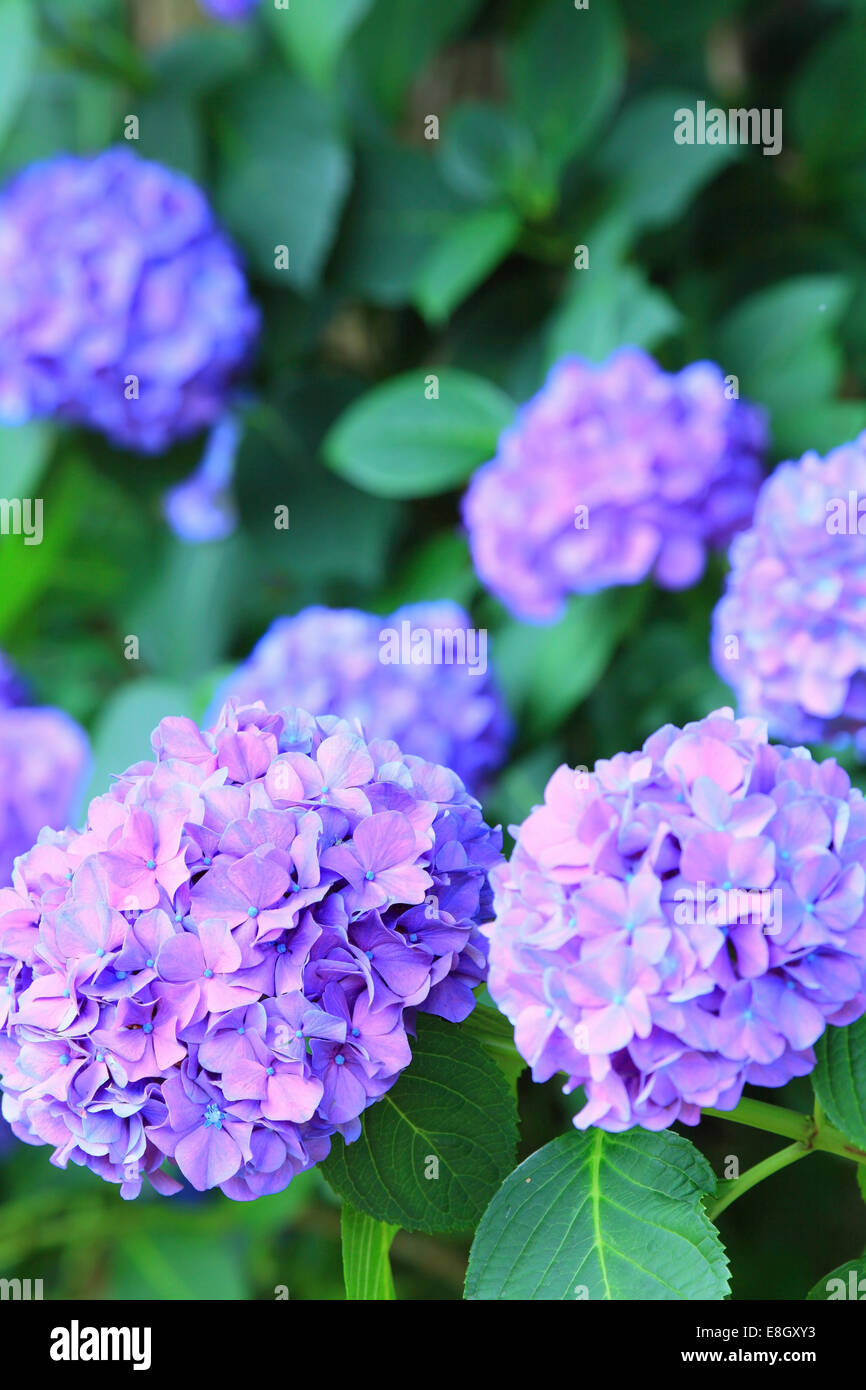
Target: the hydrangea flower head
pixel 681 921
pixel 125 308
pixel 789 633
pixel 229 11
pixel 612 472
pixel 384 672
pixel 44 757
pixel 223 968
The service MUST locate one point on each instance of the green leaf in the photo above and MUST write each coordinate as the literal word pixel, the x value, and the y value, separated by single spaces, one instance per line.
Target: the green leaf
pixel 17 55
pixel 820 426
pixel 122 733
pixel 676 21
pixel 438 568
pixel 26 571
pixel 839 1283
pixel 602 1216
pixel 400 208
pixel 471 248
pixel 25 451
pixel 186 1267
pixel 656 179
pixel 779 342
pixel 395 40
pixel 313 35
pixel 366 1266
pixel 861 1179
pixel 839 1079
pixel 496 1035
pixel 486 153
pixel 170 132
pixel 546 671
pixel 828 114
pixel 183 615
pixel 284 174
pixel 196 60
pixel 74 111
pixel 608 309
pixel 565 71
pixel 395 442
pixel 435 1148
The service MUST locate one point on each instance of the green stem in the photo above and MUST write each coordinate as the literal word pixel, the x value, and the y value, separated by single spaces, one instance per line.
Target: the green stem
pixel 773 1119
pixel 813 1132
pixel 729 1191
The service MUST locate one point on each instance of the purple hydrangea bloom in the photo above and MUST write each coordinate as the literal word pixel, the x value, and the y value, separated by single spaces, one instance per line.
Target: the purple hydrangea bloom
pixel 609 473
pixel 789 634
pixel 229 11
pixel 223 968
pixel 202 507
pixel 681 921
pixel 44 757
pixel 340 661
pixel 124 306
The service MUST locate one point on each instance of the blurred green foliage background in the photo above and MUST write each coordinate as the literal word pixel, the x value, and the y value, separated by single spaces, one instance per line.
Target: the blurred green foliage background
pixel 555 130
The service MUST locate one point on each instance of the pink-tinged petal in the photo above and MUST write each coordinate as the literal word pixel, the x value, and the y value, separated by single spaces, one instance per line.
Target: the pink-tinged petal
pixel 291 1097
pixel 181 958
pixel 220 951
pixel 293 777
pixel 752 862
pixel 692 756
pixel 609 1029
pixel 207 1156
pixel 383 840
pixel 259 879
pixel 711 803
pixel 245 1079
pixel 344 762
pixel 406 884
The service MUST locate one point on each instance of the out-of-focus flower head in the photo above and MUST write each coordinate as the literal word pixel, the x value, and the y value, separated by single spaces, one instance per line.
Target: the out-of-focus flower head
pixel 229 11
pixel 789 633
pixel 202 507
pixel 224 966
pixel 681 921
pixel 419 676
pixel 125 308
pixel 612 472
pixel 43 762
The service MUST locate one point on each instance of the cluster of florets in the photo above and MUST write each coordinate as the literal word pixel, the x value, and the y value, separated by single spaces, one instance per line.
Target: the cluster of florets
pixel 790 633
pixel 43 761
pixel 681 921
pixel 222 969
pixel 230 11
pixel 419 676
pixel 125 307
pixel 610 473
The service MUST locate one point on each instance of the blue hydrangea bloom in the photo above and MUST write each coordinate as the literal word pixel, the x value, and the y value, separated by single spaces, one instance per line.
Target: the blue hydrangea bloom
pixel 790 632
pixel 338 661
pixel 224 967
pixel 681 921
pixel 229 11
pixel 43 762
pixel 610 473
pixel 124 307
